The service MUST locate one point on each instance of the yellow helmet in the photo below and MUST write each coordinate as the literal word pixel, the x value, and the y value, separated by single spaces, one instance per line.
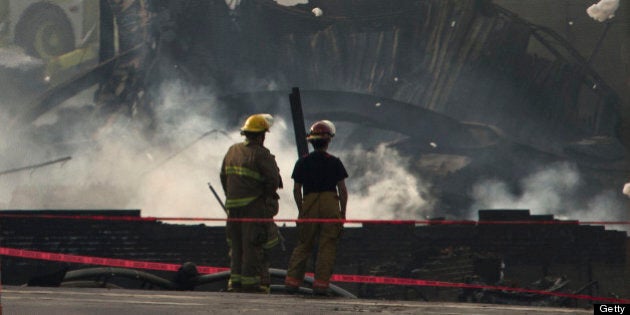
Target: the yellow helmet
pixel 258 123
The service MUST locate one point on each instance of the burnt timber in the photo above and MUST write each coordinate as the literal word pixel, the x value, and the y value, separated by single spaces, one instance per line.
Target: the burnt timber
pixel 461 67
pixel 454 253
pixel 441 57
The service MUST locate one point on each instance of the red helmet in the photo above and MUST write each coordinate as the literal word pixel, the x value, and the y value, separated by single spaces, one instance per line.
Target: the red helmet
pixel 323 129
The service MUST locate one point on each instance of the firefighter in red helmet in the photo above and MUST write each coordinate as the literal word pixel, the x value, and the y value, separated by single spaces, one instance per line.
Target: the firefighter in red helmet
pixel 250 178
pixel 320 192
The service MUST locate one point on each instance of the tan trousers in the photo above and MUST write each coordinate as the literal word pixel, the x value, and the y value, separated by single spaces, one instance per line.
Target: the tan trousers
pixel 324 205
pixel 246 243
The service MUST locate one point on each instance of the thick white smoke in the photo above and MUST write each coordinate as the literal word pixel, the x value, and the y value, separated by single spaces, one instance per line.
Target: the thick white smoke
pixel 603 10
pixel 99 175
pixel 178 186
pixel 544 191
pixel 114 166
pixel 15 58
pixel 382 187
pixel 553 190
pixel 377 177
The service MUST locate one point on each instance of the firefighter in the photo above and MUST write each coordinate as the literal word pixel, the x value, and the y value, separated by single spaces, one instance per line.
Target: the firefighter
pixel 250 177
pixel 320 192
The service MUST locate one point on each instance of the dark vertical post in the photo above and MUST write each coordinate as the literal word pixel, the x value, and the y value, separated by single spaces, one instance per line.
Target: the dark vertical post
pixel 298 122
pixel 599 43
pixel 106 31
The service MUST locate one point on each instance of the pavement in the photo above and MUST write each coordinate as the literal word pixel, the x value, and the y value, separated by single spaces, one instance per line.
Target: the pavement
pixel 71 301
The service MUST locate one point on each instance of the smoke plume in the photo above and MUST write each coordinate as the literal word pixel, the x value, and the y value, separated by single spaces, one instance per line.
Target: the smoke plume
pixel 382 187
pixel 555 190
pixel 115 165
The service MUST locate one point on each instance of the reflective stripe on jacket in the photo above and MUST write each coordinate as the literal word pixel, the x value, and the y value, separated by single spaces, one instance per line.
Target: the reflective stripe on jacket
pixel 249 171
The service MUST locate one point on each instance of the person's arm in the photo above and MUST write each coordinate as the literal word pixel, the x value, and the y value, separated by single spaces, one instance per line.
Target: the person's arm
pixel 270 172
pixel 343 196
pixel 297 195
pixel 223 177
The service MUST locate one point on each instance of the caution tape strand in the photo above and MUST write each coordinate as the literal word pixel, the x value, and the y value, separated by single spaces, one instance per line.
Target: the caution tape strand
pixel 310 220
pixel 111 262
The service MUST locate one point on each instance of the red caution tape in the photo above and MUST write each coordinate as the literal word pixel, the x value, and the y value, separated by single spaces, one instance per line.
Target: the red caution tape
pixel 350 221
pixel 90 260
pixel 4 251
pixel 431 283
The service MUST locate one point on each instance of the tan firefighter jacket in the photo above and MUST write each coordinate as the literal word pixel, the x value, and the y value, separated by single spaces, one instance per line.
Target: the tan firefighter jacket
pixel 248 172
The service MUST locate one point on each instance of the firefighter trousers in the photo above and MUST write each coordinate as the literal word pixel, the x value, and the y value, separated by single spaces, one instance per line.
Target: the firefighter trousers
pixel 247 240
pixel 273 239
pixel 322 205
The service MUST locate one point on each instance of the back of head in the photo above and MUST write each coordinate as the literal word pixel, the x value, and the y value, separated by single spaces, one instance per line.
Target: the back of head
pixel 320 144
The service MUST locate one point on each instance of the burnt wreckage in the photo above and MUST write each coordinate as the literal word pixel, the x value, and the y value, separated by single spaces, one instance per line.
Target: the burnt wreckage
pixel 450 80
pixel 567 258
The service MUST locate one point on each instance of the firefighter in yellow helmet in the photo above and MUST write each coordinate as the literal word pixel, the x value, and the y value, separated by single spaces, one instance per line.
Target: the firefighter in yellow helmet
pixel 320 193
pixel 250 178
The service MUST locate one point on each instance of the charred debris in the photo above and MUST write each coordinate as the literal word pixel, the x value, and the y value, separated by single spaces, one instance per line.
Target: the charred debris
pixel 567 258
pixel 452 80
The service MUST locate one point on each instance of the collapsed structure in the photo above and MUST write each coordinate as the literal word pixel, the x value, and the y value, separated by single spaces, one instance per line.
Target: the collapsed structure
pixel 453 80
pixel 565 257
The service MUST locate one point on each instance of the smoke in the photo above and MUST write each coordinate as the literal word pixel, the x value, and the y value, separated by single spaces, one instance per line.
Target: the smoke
pixel 98 175
pixel 14 58
pixel 178 186
pixel 382 186
pixel 542 191
pixel 556 189
pixel 115 165
pixel 603 10
pixel 378 177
